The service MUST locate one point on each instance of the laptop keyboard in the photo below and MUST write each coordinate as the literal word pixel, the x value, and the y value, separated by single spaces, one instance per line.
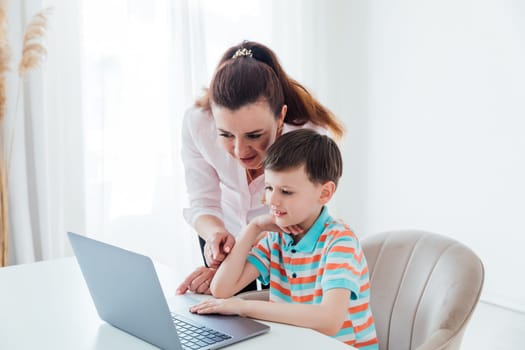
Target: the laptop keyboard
pixel 196 337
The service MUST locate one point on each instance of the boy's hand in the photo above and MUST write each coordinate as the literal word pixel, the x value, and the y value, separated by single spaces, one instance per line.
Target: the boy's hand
pixel 230 306
pixel 267 223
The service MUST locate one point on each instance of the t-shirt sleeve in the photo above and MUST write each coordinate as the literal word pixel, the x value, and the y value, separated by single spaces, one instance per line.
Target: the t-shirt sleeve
pixel 259 257
pixel 344 264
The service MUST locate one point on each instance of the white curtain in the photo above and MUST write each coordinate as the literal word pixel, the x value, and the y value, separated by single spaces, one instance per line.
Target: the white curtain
pixel 43 164
pixel 97 145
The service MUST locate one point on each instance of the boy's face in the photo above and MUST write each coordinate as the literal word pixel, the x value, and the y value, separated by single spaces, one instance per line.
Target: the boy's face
pixel 292 197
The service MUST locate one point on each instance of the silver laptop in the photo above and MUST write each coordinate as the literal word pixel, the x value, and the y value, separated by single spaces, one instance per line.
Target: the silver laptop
pixel 127 294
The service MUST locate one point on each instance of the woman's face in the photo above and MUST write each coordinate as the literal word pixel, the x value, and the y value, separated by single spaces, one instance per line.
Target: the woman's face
pixel 247 132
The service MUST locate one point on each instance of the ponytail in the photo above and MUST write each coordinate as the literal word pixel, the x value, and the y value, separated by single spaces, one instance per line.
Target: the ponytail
pixel 250 72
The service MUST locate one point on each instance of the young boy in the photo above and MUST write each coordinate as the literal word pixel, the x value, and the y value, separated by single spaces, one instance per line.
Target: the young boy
pixel 314 264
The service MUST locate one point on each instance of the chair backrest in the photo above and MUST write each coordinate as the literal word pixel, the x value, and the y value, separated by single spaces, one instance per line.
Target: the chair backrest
pixel 424 288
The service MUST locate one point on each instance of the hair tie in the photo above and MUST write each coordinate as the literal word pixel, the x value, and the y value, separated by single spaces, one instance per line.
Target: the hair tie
pixel 242 52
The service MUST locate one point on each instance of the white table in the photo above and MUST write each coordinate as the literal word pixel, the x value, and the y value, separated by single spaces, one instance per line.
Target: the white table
pixel 46 305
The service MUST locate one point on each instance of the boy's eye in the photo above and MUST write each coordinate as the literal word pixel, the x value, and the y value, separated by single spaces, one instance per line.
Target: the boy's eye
pixel 286 192
pixel 254 136
pixel 268 188
pixel 225 135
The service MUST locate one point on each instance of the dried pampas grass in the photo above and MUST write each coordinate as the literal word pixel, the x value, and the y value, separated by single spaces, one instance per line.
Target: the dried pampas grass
pixel 5 56
pixel 33 52
pixel 33 49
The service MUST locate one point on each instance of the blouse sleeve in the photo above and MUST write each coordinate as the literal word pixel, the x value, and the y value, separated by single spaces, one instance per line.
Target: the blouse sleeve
pixel 202 180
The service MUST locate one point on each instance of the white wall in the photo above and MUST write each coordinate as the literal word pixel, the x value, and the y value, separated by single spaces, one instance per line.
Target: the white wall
pixel 436 139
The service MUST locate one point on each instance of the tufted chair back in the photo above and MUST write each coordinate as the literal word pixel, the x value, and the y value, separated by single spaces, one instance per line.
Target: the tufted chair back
pixel 424 289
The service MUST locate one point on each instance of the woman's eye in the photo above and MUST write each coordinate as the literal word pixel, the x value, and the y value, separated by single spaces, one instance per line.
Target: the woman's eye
pixel 254 136
pixel 225 135
pixel 268 188
pixel 286 192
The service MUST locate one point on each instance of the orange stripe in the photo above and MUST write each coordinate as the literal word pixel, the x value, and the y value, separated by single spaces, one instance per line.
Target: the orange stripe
pixel 365 325
pixel 369 342
pixel 341 233
pixel 301 261
pixel 364 287
pixel 302 280
pixel 275 265
pixel 348 250
pixel 348 324
pixel 279 288
pixel 359 257
pixel 263 249
pixel 334 266
pixel 358 308
pixel 342 249
pixel 303 299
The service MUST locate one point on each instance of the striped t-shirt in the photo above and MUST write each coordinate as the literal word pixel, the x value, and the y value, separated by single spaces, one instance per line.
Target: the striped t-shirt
pixel 328 256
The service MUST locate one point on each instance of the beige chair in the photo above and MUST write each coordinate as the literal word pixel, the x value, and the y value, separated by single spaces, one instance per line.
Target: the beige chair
pixel 424 289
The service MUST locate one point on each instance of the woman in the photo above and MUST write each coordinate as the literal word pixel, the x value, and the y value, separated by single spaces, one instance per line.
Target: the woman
pixel 251 101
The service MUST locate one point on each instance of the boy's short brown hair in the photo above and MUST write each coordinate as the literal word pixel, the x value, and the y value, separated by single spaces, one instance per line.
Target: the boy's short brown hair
pixel 319 154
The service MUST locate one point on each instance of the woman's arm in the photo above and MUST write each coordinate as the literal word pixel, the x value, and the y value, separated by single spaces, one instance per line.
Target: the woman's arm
pixel 327 317
pixel 203 185
pixel 219 241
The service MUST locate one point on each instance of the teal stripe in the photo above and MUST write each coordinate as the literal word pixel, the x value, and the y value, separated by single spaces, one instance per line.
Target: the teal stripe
pixel 303 286
pixel 345 331
pixel 263 272
pixel 277 274
pixel 275 255
pixel 344 256
pixel 303 267
pixel 346 284
pixel 340 272
pixel 280 295
pixel 367 331
pixel 318 299
pixel 359 336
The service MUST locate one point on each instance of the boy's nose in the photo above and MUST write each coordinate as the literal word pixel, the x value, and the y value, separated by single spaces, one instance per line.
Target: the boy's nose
pixel 273 198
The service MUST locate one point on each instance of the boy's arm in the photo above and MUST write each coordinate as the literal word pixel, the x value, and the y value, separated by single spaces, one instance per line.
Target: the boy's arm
pixel 235 272
pixel 327 317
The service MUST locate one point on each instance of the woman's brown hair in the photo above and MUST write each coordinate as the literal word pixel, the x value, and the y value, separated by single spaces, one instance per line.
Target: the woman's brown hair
pixel 256 74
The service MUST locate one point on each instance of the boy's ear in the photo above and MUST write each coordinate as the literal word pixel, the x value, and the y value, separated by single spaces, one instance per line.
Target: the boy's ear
pixel 327 191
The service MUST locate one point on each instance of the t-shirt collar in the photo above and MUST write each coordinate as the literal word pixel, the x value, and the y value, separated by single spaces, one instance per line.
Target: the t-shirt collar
pixel 308 242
